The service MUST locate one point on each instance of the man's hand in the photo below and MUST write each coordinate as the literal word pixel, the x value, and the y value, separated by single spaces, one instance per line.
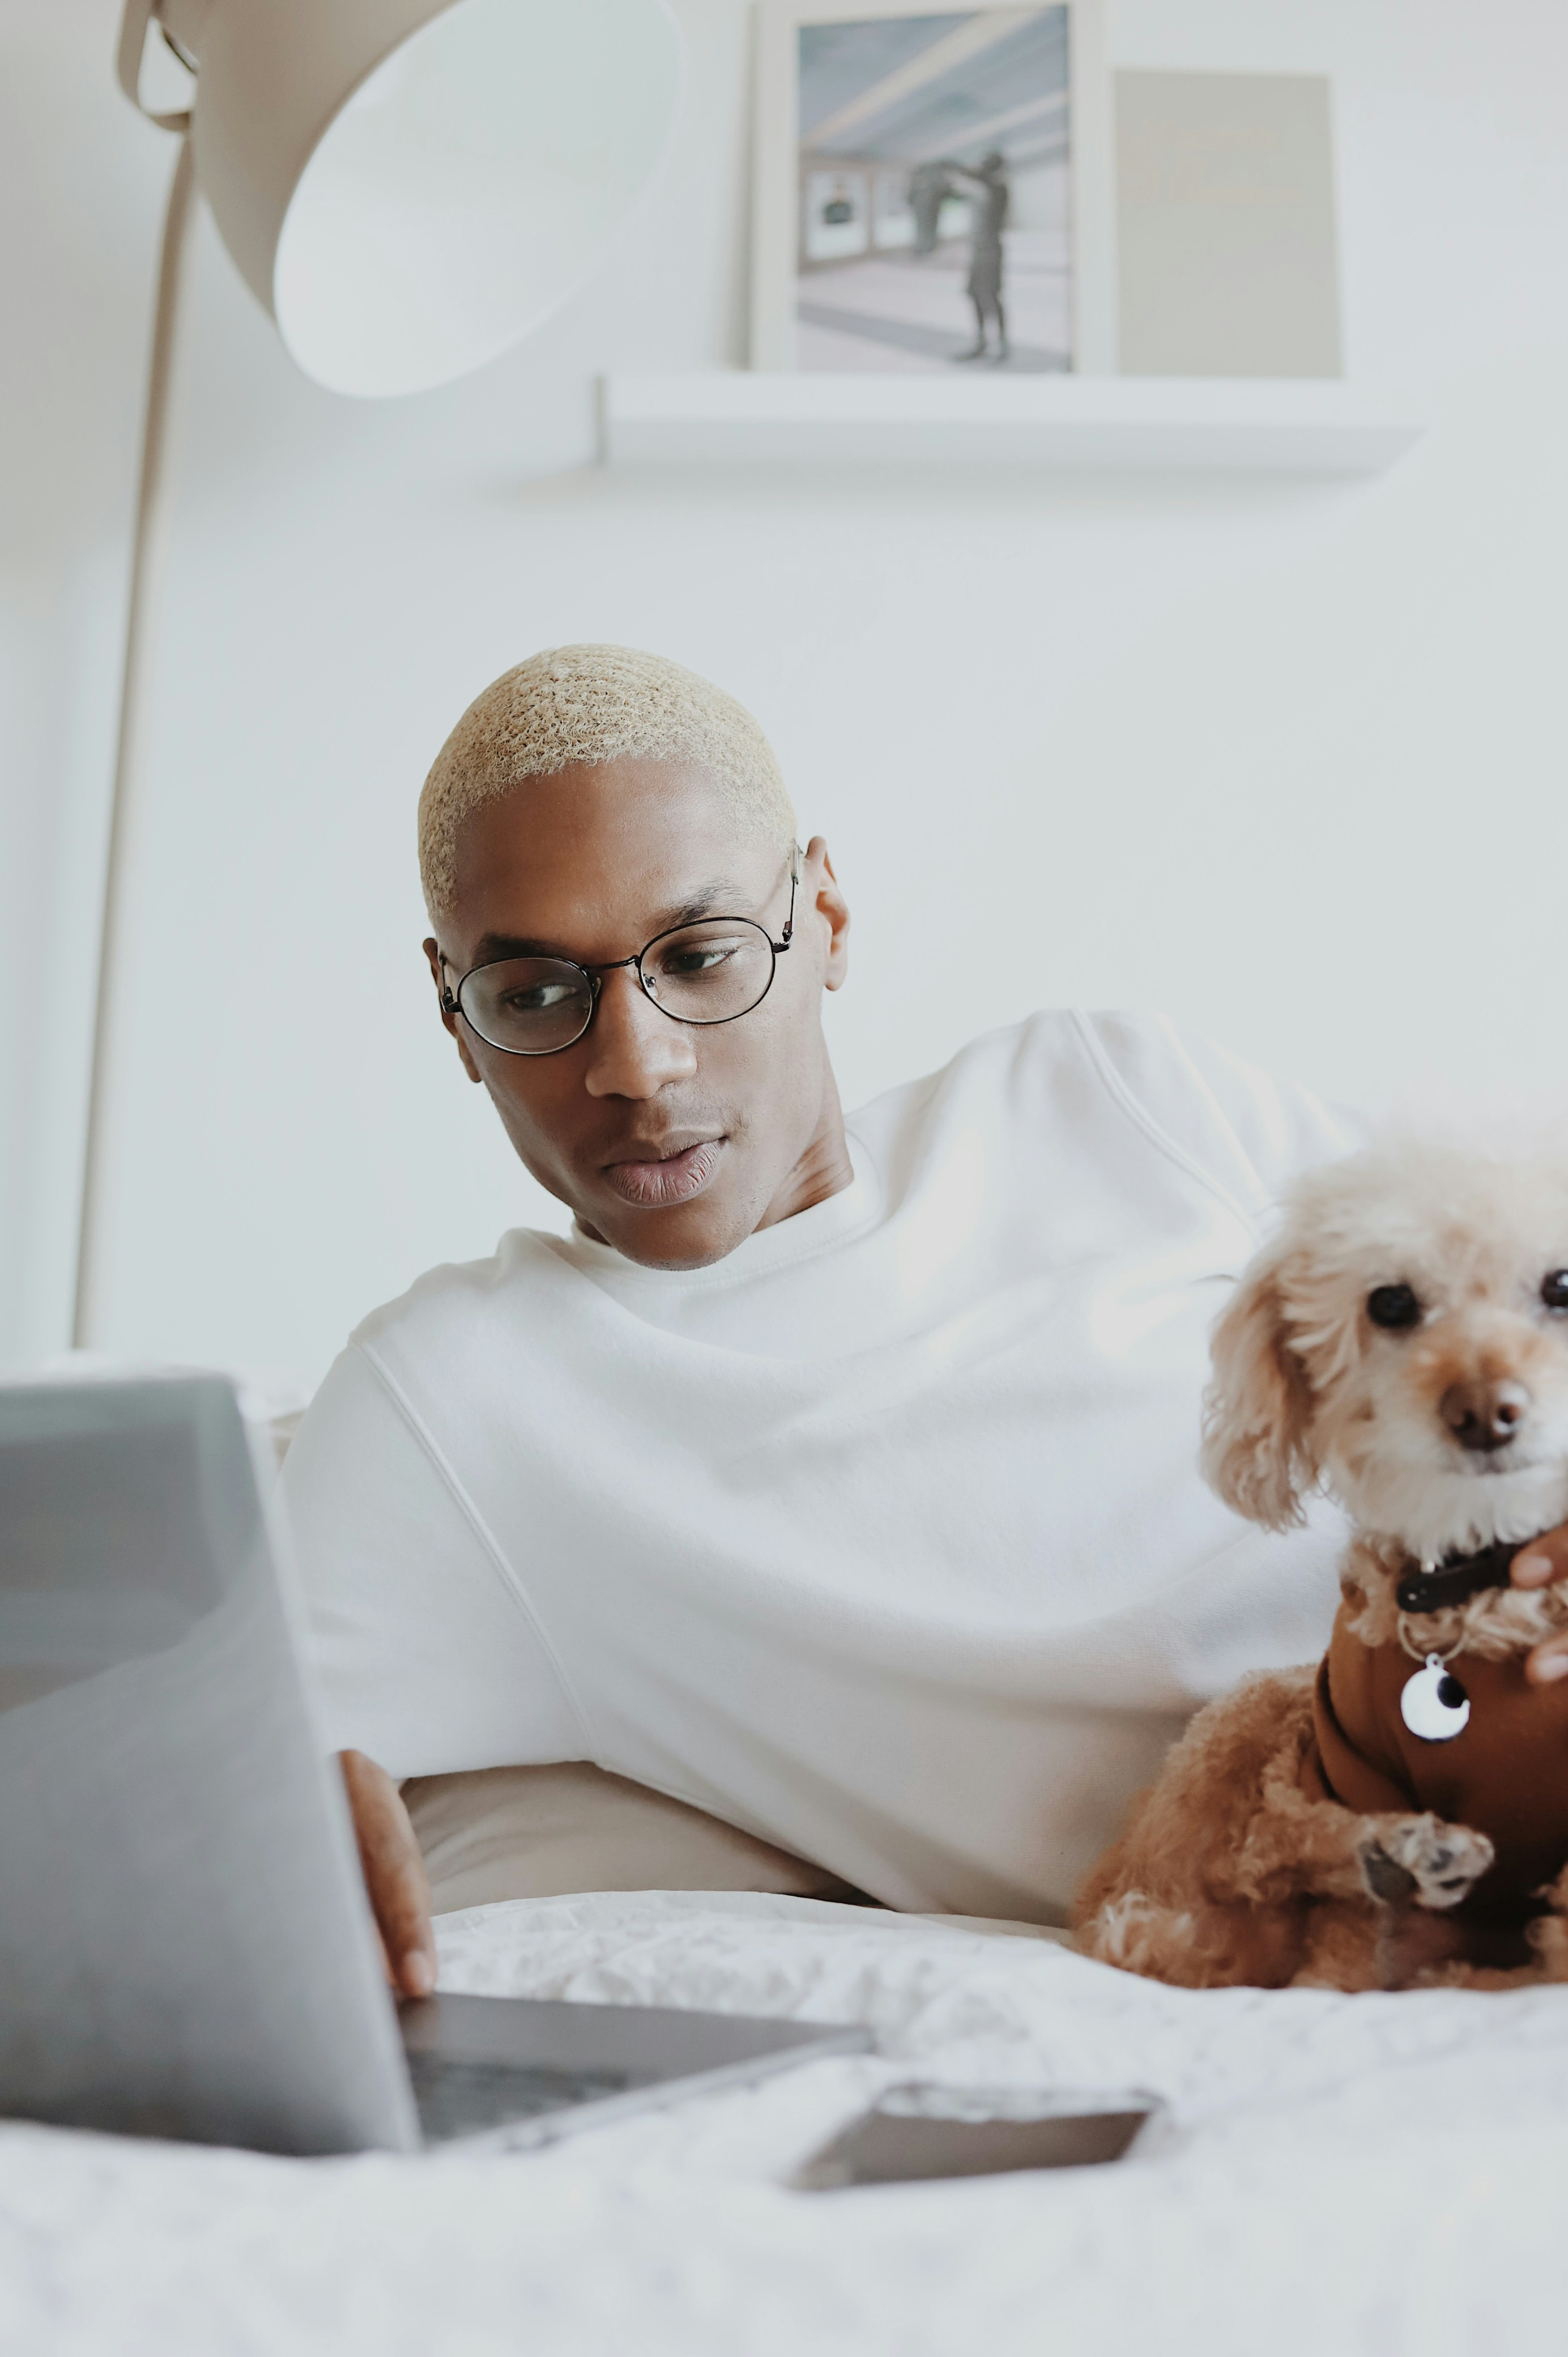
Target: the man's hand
pixel 394 1874
pixel 1537 1565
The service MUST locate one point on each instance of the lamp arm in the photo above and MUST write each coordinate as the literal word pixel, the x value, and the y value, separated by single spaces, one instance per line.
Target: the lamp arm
pixel 134 27
pixel 154 501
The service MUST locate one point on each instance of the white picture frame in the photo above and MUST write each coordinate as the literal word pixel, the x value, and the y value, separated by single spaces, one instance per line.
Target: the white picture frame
pixel 776 193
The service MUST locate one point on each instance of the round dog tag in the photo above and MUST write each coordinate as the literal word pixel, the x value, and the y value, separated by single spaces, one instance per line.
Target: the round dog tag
pixel 1433 1703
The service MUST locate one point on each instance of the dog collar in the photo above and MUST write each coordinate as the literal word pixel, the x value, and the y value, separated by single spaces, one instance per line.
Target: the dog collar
pixel 1433 1703
pixel 1457 1577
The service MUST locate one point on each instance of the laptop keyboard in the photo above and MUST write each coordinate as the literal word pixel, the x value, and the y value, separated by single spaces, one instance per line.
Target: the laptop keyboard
pixel 462 2098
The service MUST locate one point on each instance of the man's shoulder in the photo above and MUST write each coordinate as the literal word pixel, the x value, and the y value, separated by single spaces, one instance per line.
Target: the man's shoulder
pixel 455 1292
pixel 407 1357
pixel 1066 1064
pixel 1113 1083
pixel 1044 1039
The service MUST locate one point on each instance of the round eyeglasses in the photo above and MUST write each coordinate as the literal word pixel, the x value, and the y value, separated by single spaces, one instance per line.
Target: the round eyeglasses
pixel 711 971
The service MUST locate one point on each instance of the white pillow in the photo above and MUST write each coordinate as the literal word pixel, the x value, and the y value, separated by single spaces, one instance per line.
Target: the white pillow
pixel 535 1833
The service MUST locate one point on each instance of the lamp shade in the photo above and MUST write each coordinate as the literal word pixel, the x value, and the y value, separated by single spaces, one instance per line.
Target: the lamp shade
pixel 410 186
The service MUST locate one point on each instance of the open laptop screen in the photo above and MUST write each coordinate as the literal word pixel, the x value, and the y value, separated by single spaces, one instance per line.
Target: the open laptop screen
pixel 184 1946
pixel 111 1542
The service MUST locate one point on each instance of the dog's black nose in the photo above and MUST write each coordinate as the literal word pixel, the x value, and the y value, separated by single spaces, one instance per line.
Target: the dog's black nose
pixel 1484 1414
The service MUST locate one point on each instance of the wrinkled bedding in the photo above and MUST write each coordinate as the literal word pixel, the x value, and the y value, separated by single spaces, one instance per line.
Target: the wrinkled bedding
pixel 1384 2174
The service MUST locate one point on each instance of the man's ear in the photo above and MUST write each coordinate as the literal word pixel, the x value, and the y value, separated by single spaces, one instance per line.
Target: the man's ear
pixel 433 960
pixel 1257 1412
pixel 832 908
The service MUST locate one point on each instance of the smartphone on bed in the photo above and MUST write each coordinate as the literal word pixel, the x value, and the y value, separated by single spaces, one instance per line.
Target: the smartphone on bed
pixel 922 2131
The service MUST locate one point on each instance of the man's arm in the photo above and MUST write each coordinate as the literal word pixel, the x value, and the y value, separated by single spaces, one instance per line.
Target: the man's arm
pixel 424 1650
pixel 1250 1132
pixel 423 1653
pixel 394 1874
pixel 1544 1560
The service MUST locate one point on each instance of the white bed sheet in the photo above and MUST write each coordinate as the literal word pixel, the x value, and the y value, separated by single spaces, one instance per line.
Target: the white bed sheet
pixel 1372 2173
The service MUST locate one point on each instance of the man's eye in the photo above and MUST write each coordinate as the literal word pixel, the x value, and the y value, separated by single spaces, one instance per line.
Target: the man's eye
pixel 1555 1289
pixel 1393 1307
pixel 535 998
pixel 702 958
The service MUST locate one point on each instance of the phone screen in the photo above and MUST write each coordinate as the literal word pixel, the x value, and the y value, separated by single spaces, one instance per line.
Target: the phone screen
pixel 930 2131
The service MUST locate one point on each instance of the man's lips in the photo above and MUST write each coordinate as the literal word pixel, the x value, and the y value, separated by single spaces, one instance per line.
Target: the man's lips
pixel 674 1176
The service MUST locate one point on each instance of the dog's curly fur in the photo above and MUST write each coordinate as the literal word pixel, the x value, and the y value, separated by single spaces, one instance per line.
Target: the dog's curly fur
pixel 1240 1866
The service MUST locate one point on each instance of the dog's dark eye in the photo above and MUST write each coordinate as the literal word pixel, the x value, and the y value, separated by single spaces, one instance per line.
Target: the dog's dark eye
pixel 1394 1305
pixel 1555 1288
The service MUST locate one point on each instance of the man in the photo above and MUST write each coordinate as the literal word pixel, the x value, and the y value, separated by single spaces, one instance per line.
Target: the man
pixel 990 203
pixel 835 1478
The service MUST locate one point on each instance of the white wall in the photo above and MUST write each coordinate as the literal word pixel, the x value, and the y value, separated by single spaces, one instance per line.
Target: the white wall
pixel 1283 758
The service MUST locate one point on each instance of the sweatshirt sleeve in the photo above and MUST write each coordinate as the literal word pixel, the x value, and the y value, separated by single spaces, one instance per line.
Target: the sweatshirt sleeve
pixel 424 1650
pixel 1248 1132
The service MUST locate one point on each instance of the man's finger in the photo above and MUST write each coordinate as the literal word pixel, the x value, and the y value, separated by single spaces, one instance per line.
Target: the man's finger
pixel 1548 1661
pixel 398 1897
pixel 1544 1560
pixel 1540 1564
pixel 394 1874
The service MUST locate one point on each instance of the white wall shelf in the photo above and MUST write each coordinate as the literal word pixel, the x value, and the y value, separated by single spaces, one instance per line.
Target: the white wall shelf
pixel 737 417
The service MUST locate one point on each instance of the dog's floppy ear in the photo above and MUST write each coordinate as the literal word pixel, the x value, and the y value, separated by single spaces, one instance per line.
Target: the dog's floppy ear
pixel 1257 1411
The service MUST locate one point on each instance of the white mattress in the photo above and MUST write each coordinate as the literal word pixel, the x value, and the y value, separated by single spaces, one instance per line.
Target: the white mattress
pixel 1372 2173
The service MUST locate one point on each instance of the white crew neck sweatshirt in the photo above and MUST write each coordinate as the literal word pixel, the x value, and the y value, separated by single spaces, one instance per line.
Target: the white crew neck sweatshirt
pixel 881 1538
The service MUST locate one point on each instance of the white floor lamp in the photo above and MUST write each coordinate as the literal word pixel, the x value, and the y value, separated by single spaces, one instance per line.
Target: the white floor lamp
pixel 409 187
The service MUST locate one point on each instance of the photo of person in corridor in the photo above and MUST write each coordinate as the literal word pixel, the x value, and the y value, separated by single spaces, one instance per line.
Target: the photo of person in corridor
pixel 934 200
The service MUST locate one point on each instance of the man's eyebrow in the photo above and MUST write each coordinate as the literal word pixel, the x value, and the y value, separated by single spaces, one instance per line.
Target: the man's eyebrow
pixel 707 899
pixel 705 902
pixel 510 945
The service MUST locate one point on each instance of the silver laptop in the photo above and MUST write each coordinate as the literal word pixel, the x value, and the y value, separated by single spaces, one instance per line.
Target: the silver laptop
pixel 186 1949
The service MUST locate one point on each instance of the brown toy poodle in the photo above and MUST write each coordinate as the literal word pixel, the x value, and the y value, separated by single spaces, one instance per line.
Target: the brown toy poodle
pixel 1399 1813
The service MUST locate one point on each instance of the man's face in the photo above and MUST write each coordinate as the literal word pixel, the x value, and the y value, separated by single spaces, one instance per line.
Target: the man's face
pixel 673 1142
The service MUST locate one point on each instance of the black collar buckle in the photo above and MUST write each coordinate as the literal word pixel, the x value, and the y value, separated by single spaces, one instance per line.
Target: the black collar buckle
pixel 1458 1578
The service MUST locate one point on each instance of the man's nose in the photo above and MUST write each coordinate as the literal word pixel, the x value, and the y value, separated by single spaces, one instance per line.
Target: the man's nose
pixel 1484 1413
pixel 635 1050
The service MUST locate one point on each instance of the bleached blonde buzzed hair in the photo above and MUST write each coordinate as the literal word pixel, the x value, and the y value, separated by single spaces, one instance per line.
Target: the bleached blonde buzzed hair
pixel 590 704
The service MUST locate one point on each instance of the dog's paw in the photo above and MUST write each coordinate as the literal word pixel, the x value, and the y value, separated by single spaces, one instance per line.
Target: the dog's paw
pixel 1421 1862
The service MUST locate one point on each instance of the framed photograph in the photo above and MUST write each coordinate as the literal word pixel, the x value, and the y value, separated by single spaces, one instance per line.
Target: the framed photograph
pixel 933 189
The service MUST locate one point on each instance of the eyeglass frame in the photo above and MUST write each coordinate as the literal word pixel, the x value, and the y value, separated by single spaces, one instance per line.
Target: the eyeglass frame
pixel 452 999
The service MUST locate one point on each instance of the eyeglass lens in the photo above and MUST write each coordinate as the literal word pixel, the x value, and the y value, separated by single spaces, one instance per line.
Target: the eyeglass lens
pixel 708 973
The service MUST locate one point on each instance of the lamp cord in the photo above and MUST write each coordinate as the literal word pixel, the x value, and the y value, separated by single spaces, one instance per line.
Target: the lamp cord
pixel 149 545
